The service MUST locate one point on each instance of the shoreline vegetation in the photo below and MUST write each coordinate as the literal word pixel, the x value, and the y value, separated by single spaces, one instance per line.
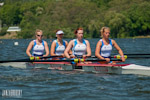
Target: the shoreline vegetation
pixel 126 18
pixel 9 36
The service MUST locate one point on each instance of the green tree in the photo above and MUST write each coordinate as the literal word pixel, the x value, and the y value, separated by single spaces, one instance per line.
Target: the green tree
pixel 139 15
pixel 125 17
pixel 119 24
pixel 10 15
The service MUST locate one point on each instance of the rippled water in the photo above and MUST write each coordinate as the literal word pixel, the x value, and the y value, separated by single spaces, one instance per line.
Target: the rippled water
pixel 71 85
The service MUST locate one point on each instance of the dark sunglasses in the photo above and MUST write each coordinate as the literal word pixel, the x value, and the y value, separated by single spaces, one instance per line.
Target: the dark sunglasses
pixel 40 35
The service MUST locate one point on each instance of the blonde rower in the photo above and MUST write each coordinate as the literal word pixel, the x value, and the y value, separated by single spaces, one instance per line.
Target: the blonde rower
pixel 104 46
pixel 38 45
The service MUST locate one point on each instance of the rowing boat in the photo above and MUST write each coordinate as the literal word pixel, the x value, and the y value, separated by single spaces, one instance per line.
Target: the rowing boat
pixel 36 62
pixel 93 67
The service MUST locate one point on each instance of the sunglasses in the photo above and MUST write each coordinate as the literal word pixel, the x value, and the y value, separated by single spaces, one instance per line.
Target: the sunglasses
pixel 40 35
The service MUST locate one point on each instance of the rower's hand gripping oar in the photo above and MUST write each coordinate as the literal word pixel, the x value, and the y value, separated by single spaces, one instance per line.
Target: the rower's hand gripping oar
pixel 125 56
pixel 116 56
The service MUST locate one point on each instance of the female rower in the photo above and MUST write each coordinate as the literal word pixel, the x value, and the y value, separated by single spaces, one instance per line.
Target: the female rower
pixel 38 45
pixel 59 45
pixel 104 46
pixel 80 47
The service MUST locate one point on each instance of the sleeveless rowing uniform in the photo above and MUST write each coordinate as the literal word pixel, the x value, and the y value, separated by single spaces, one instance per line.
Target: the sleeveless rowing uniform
pixel 79 49
pixel 59 49
pixel 106 49
pixel 38 50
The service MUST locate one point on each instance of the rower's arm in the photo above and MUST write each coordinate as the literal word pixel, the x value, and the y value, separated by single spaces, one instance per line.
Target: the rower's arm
pixel 68 49
pixel 30 46
pixel 119 50
pixel 97 50
pixel 46 49
pixel 52 51
pixel 70 52
pixel 88 48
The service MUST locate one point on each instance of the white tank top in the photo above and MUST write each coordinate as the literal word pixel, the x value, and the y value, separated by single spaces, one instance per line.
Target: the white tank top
pixel 79 49
pixel 106 49
pixel 59 49
pixel 38 50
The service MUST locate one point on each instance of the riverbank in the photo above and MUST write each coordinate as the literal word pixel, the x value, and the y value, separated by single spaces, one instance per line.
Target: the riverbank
pixel 148 36
pixel 9 36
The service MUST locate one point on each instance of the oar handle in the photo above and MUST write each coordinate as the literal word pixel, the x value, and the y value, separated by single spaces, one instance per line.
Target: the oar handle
pixel 119 57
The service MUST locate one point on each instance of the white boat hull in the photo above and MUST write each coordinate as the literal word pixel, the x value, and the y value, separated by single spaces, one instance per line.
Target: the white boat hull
pixel 136 69
pixel 96 68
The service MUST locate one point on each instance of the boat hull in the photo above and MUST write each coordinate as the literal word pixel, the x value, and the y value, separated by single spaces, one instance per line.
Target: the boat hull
pixel 50 65
pixel 94 67
pixel 136 69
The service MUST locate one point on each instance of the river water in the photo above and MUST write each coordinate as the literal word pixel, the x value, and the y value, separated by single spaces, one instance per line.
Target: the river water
pixel 45 84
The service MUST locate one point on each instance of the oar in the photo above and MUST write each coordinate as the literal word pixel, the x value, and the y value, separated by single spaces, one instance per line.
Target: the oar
pixel 45 57
pixel 119 57
pixel 30 59
pixel 137 54
pixel 67 60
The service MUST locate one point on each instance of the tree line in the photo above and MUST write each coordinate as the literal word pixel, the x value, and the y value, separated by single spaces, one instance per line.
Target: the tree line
pixel 126 18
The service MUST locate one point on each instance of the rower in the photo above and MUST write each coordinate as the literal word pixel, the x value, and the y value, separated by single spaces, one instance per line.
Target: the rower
pixel 79 46
pixel 38 46
pixel 59 45
pixel 104 46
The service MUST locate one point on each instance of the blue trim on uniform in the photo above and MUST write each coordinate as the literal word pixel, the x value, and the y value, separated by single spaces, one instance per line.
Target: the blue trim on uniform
pixel 72 61
pixel 110 42
pixel 64 43
pixel 102 44
pixel 84 42
pixel 75 43
pixel 57 45
pixel 42 42
pixel 35 45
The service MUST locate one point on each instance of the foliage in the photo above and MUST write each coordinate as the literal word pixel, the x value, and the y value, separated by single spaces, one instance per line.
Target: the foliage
pixel 126 18
pixel 3 31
